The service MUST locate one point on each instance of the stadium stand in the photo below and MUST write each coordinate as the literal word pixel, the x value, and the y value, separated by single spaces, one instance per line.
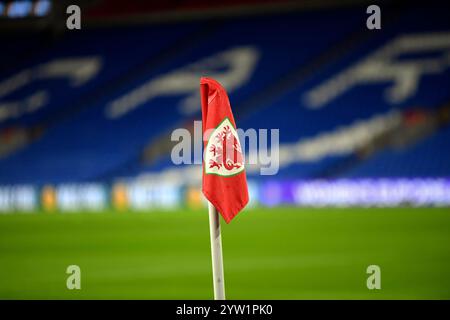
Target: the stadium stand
pixel 111 113
pixel 98 140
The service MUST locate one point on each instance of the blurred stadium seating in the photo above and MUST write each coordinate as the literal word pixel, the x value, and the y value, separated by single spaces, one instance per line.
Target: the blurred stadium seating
pixel 96 107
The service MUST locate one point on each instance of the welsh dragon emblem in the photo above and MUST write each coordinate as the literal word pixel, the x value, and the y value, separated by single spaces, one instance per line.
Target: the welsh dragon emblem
pixel 223 154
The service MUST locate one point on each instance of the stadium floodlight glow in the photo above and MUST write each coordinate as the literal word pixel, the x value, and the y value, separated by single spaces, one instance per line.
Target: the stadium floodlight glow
pixel 42 8
pixel 19 9
pixel 25 8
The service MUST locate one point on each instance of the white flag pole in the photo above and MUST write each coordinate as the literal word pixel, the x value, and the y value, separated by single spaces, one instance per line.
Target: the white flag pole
pixel 216 253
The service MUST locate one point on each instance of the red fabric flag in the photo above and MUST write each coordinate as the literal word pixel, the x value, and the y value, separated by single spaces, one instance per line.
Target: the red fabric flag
pixel 224 180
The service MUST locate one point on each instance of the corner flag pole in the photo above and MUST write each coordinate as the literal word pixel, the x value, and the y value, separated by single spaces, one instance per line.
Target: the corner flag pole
pixel 216 253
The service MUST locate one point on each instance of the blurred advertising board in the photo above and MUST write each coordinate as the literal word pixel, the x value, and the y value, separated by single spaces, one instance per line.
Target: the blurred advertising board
pixel 141 195
pixel 357 192
pixel 18 198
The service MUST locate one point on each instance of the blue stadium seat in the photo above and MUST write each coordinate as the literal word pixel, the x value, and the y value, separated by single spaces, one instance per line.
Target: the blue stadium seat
pixel 265 57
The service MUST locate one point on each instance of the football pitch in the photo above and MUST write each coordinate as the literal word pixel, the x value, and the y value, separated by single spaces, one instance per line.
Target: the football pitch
pixel 271 253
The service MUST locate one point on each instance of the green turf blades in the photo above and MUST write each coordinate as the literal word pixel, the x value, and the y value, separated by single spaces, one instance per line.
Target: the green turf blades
pixel 299 254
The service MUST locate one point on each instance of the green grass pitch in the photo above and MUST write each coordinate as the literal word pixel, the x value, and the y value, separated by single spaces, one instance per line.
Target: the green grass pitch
pixel 276 253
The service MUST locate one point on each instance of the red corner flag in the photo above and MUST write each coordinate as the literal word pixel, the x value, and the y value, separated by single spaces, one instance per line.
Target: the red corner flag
pixel 224 181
